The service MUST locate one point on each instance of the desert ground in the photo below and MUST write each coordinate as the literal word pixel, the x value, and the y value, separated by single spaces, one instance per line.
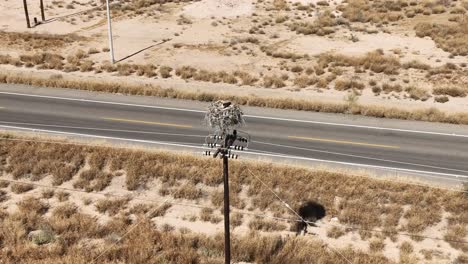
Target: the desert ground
pixel 403 54
pixel 64 201
pixel 73 197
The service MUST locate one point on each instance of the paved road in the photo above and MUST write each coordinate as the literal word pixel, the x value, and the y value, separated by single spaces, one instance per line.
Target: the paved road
pixel 436 151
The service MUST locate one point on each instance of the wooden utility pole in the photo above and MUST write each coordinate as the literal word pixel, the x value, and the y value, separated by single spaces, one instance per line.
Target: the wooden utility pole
pixel 25 4
pixel 42 10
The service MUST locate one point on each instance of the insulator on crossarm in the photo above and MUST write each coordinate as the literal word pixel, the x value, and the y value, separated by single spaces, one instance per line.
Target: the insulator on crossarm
pixel 211 145
pixel 233 156
pixel 207 153
pixel 238 147
pixel 242 139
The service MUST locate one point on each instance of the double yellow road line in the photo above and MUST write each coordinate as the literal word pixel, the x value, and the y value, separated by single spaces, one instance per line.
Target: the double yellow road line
pixel 291 137
pixel 146 122
pixel 345 142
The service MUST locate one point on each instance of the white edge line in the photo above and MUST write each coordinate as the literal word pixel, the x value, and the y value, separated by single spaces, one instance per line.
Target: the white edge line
pixel 251 116
pixel 426 173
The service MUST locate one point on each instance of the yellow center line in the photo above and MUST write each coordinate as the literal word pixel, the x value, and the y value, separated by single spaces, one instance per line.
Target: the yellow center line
pixel 345 142
pixel 145 122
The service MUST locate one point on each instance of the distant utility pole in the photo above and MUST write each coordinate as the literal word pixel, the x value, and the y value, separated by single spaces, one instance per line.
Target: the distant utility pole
pixel 109 29
pixel 25 4
pixel 224 117
pixel 42 10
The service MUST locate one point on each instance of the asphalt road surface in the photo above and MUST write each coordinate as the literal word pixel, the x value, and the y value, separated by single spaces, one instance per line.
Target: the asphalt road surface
pixel 428 149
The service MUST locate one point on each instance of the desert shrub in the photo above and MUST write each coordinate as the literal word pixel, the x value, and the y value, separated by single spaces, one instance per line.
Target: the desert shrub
pixel 86 65
pixel 186 72
pixel 375 61
pixel 206 214
pixel 335 232
pixel 450 91
pixel 32 204
pixel 165 71
pixel 441 99
pixel 451 38
pixel 303 81
pixel 21 187
pixel 147 70
pixel 246 78
pixel 260 224
pixel 417 93
pixel 62 196
pixel 406 248
pixel 48 193
pixel 111 206
pixel 414 64
pixel 343 85
pixel 236 219
pixel 388 88
pixel 3 196
pixel 188 191
pixel 323 25
pixel 376 245
pixel 273 81
pixel 125 69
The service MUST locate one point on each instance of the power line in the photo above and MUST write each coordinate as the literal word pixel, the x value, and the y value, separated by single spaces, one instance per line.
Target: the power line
pixel 292 210
pixel 243 212
pixel 360 228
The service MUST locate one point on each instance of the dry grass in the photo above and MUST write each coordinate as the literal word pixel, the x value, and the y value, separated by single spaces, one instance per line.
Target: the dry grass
pixel 21 188
pixel 368 211
pixel 452 38
pixel 451 91
pixel 335 232
pixel 259 224
pixel 37 41
pixel 111 206
pixel 375 61
pixel 74 237
pixel 344 84
pixel 417 93
pixel 381 206
pixel 429 114
pixel 323 25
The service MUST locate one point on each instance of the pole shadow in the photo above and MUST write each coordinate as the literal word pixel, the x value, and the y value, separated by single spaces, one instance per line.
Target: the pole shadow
pixel 140 51
pixel 50 20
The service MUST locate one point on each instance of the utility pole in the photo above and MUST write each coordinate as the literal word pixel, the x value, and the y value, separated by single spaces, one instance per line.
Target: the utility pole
pixel 109 30
pixel 25 4
pixel 42 10
pixel 224 117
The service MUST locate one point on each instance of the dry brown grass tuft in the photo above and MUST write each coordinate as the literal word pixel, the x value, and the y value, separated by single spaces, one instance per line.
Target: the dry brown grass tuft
pixel 21 188
pixel 111 206
pixel 37 41
pixel 335 232
pixel 260 224
pixel 207 215
pixel 452 38
pixel 323 25
pixel 343 85
pixel 273 81
pixel 451 91
pixel 375 61
pixel 417 93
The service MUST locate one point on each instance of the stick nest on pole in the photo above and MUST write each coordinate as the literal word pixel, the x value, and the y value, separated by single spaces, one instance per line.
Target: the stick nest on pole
pixel 224 116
